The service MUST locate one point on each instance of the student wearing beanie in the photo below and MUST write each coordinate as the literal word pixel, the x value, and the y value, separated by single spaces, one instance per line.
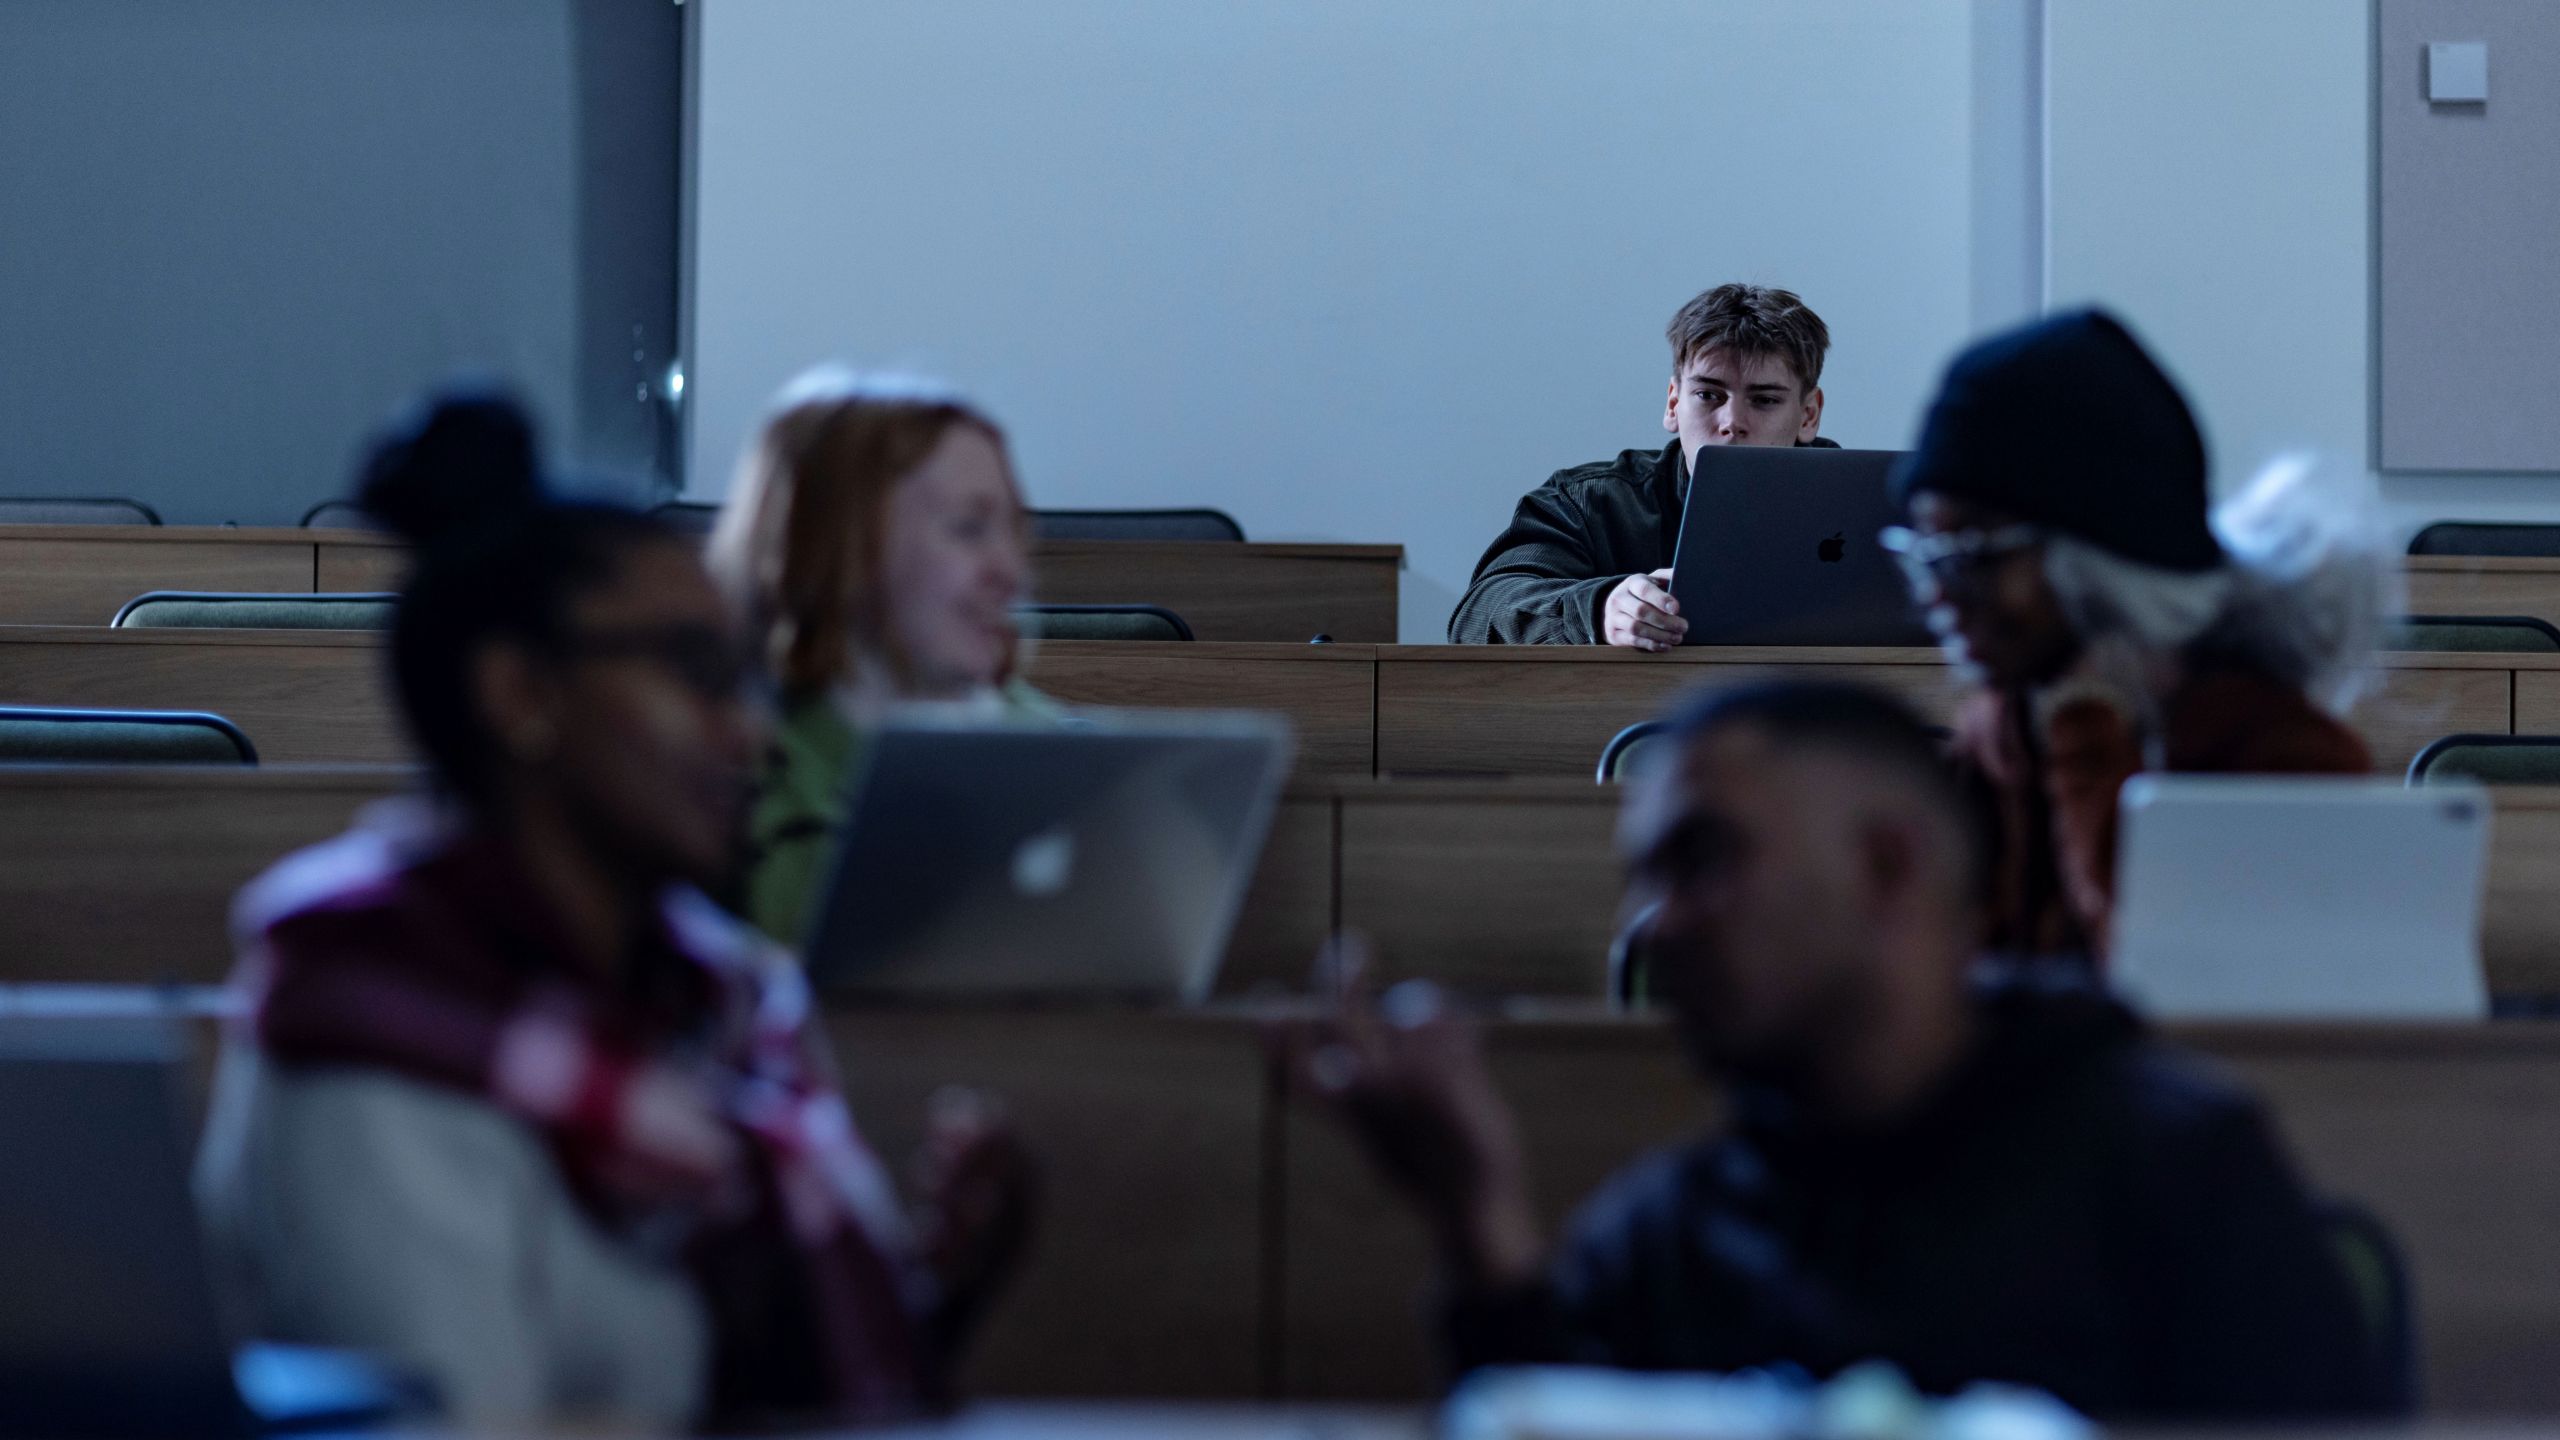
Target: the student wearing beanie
pixel 2063 543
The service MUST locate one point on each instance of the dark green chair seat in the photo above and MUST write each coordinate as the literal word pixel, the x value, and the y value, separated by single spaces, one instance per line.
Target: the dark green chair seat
pixel 686 517
pixel 2490 759
pixel 1135 525
pixel 230 610
pixel 1101 622
pixel 120 737
pixel 48 510
pixel 2469 537
pixel 2473 634
pixel 2379 1278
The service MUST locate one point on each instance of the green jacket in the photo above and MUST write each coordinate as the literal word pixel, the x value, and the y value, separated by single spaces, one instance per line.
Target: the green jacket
pixel 1543 580
pixel 801 806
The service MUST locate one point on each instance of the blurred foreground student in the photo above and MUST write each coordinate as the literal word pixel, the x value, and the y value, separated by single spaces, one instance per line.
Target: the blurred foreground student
pixel 876 541
pixel 2064 544
pixel 2009 1182
pixel 1587 559
pixel 515 1106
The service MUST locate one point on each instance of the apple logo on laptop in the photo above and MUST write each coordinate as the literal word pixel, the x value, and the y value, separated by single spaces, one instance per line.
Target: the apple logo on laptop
pixel 1830 551
pixel 1044 864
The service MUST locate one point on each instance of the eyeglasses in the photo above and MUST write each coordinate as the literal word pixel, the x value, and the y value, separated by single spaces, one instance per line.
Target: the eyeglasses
pixel 708 662
pixel 1951 559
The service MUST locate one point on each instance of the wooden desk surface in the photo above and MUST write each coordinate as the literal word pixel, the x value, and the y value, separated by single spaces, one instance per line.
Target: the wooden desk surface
pixel 2483 585
pixel 1549 709
pixel 1282 593
pixel 1329 692
pixel 303 696
pixel 1205 1237
pixel 1493 887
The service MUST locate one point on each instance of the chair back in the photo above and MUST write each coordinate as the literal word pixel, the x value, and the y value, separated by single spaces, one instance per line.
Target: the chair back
pixel 1135 525
pixel 1101 622
pixel 686 517
pixel 31 736
pixel 2490 759
pixel 2473 633
pixel 337 515
pixel 47 510
pixel 2465 537
pixel 243 610
pixel 2378 1275
pixel 1618 758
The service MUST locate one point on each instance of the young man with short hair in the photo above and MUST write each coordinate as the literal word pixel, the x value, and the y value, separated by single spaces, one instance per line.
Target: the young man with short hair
pixel 1587 558
pixel 1976 1177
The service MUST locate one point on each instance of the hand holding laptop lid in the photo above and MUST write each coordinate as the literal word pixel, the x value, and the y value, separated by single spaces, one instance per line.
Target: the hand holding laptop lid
pixel 1642 615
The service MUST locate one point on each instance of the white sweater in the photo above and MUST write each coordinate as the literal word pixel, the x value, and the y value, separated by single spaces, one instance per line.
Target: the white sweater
pixel 357 1208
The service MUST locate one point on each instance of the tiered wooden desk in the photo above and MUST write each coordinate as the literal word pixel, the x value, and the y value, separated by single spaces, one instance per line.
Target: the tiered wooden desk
pixel 1496 888
pixel 1288 593
pixel 2483 585
pixel 1204 1237
pixel 317 696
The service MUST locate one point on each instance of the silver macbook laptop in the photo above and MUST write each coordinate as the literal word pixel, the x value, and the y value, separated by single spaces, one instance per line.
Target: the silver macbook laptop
pixel 1778 547
pixel 1104 859
pixel 109 1325
pixel 2251 897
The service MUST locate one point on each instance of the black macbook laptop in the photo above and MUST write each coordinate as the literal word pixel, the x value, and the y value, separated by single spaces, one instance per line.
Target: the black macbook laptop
pixel 1778 547
pixel 109 1326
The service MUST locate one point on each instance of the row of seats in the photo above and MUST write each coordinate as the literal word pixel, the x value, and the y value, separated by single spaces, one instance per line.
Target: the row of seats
pixel 371 610
pixel 2489 759
pixel 1181 524
pixel 2450 537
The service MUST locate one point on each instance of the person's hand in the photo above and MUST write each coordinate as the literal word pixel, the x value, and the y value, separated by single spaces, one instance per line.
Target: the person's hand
pixel 980 1188
pixel 1409 1079
pixel 678 1147
pixel 1641 615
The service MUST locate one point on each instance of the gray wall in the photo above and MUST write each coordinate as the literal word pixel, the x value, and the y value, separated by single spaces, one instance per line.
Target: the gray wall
pixel 235 234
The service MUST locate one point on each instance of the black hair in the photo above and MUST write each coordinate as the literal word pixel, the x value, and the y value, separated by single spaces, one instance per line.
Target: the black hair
pixel 1860 723
pixel 497 557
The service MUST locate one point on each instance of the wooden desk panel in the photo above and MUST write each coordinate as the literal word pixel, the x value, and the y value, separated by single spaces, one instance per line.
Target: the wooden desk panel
pixel 2520 920
pixel 303 696
pixel 1499 887
pixel 1273 594
pixel 2537 702
pixel 1290 909
pixel 1147 1275
pixel 2483 585
pixel 83 574
pixel 113 875
pixel 357 560
pixel 1327 691
pixel 1287 594
pixel 2415 703
pixel 2448 1134
pixel 1548 710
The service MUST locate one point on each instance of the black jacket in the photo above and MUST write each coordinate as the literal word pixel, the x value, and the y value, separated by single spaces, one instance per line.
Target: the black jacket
pixel 1571 541
pixel 2078 1210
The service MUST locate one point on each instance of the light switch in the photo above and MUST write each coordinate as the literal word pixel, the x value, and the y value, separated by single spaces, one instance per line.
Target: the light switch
pixel 2458 72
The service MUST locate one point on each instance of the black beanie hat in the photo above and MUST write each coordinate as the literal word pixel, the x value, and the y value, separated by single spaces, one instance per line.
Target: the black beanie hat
pixel 2066 423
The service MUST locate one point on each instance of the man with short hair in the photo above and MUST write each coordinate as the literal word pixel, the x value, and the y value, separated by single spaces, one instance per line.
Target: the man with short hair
pixel 1587 558
pixel 1975 1179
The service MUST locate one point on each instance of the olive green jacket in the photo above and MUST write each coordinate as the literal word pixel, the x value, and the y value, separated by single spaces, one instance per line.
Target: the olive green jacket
pixel 801 807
